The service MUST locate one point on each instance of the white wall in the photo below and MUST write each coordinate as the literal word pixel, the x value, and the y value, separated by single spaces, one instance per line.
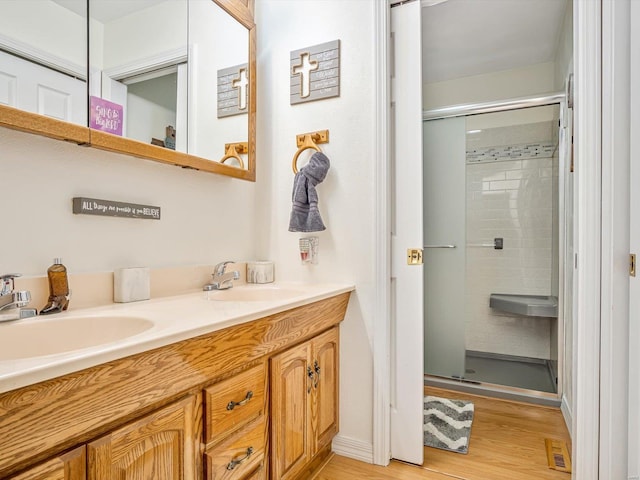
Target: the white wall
pixel 206 218
pixel 564 53
pixel 347 194
pixel 511 199
pixel 157 29
pixel 151 106
pixel 47 26
pixel 518 82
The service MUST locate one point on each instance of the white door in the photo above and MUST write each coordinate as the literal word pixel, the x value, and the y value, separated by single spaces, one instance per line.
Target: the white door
pixel 407 280
pixel 33 88
pixel 444 190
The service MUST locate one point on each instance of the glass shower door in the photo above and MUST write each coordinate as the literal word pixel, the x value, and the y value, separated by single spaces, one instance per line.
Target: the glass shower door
pixel 492 252
pixel 444 248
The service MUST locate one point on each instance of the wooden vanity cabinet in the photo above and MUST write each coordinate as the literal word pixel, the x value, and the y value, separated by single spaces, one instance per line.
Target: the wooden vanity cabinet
pixel 249 402
pixel 304 405
pixel 164 444
pixel 69 466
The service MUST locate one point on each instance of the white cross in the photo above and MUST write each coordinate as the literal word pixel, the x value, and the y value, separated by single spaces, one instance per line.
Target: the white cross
pixel 304 69
pixel 241 84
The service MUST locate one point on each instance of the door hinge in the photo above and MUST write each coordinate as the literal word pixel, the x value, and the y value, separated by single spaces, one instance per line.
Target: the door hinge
pixel 632 264
pixel 414 256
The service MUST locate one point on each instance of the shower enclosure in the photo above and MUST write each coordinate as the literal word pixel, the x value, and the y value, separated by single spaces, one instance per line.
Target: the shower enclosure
pixel 495 246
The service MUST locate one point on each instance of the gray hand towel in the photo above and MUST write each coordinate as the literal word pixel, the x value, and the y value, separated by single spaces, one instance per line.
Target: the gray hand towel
pixel 305 216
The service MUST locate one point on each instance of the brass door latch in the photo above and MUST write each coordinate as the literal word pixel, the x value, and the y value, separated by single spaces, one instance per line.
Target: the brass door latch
pixel 414 256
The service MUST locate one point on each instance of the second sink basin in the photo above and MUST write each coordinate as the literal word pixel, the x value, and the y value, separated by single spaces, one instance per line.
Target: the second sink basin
pixel 254 293
pixel 51 335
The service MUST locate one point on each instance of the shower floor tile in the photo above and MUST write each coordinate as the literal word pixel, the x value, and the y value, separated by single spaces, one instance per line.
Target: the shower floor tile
pixel 520 374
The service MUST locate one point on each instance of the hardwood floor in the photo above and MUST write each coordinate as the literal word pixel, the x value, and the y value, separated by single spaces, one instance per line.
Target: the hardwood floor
pixel 507 443
pixel 341 468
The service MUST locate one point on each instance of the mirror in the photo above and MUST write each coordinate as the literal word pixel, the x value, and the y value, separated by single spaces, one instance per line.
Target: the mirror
pixel 144 94
pixel 156 94
pixel 218 120
pixel 138 70
pixel 43 64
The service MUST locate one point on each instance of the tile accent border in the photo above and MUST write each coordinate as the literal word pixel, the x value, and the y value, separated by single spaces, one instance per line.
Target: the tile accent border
pixel 511 152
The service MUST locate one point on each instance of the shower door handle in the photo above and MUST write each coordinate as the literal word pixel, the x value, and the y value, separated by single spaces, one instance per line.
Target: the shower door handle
pixel 439 246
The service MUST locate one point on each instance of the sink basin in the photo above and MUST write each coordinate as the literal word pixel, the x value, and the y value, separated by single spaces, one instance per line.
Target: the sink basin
pixel 49 335
pixel 257 293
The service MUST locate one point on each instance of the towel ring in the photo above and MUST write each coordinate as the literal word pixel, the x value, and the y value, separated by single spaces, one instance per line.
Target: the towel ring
pixel 233 150
pixel 306 144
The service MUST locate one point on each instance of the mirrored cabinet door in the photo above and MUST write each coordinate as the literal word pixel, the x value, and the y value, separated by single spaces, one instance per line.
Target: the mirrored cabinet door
pixel 219 84
pixel 167 80
pixel 138 70
pixel 156 70
pixel 43 64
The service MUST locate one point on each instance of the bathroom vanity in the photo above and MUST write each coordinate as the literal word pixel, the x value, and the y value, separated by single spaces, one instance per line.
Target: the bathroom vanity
pixel 254 397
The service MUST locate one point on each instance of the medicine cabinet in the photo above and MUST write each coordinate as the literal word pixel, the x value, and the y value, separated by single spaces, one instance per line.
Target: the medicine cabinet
pixel 168 80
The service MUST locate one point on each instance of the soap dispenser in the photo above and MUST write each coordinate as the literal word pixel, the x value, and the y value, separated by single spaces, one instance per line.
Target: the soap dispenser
pixel 58 288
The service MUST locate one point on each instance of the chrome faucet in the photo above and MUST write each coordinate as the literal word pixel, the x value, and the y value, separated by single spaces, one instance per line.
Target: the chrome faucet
pixel 222 280
pixel 12 302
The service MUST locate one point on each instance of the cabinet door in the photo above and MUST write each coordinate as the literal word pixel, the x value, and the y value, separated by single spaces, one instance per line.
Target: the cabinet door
pixel 162 445
pixel 70 466
pixel 324 401
pixel 291 386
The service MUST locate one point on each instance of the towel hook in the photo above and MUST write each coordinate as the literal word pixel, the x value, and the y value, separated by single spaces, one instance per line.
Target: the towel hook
pixel 233 150
pixel 306 141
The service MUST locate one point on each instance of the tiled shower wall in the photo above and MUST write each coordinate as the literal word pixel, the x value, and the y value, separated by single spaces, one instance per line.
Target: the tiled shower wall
pixel 510 194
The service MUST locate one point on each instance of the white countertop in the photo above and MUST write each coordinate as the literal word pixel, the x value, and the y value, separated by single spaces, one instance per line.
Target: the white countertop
pixel 174 319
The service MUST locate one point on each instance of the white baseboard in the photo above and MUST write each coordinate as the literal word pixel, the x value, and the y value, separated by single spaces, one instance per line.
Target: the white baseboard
pixel 352 448
pixel 565 408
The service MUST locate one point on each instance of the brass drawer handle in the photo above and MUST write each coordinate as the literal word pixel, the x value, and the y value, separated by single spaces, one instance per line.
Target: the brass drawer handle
pixel 234 463
pixel 310 375
pixel 317 369
pixel 231 405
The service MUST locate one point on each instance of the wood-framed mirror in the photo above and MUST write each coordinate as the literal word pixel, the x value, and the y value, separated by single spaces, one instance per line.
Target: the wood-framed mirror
pixel 198 103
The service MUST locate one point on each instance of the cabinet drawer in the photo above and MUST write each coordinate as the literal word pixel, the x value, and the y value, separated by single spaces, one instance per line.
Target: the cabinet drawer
pixel 238 457
pixel 234 402
pixel 259 474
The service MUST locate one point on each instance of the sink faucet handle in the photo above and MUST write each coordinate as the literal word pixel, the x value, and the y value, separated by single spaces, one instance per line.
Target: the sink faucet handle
pixel 221 267
pixel 7 283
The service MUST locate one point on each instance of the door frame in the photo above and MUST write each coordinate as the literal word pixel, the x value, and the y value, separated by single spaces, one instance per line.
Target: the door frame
pixel 383 57
pixel 615 318
pixel 588 246
pixel 634 240
pixel 590 201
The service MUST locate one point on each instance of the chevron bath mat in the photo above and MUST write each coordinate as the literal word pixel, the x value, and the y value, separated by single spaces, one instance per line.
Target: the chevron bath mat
pixel 447 423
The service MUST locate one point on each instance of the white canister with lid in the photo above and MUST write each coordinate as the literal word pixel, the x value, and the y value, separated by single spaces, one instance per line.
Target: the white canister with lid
pixel 260 272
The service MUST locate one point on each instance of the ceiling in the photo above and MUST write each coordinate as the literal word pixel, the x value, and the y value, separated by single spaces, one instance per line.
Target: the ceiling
pixel 107 10
pixel 461 38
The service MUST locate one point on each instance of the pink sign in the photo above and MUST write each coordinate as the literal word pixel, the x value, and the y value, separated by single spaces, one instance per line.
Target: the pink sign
pixel 106 116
